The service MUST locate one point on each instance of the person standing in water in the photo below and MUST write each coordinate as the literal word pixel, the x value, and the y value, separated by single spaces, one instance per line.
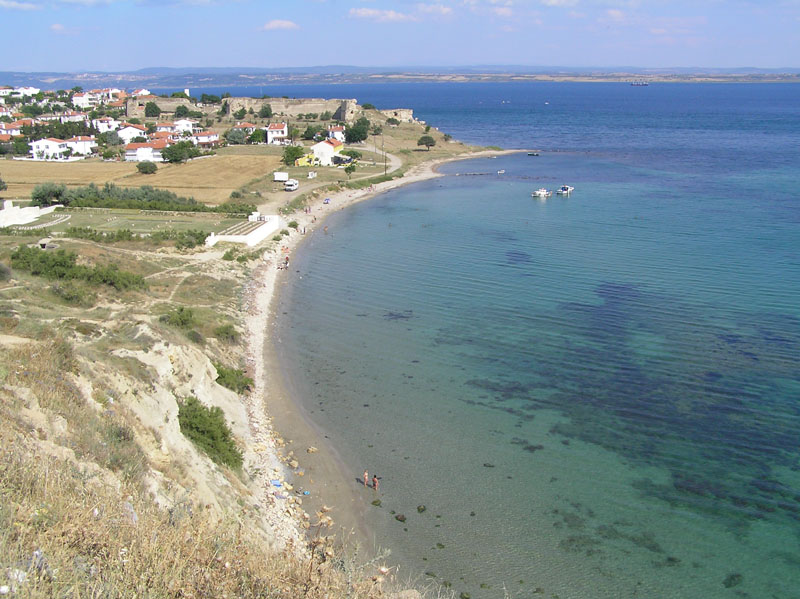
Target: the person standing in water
pixel 366 478
pixel 375 481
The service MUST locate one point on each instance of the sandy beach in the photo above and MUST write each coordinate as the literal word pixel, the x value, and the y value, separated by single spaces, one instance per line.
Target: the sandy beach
pixel 310 463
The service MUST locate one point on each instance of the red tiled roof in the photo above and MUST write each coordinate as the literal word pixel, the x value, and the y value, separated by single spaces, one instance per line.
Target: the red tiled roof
pixel 139 127
pixel 156 145
pixel 277 126
pixel 5 137
pixel 82 138
pixel 55 140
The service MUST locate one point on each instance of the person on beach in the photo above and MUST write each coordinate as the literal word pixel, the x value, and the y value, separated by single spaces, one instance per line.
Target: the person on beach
pixel 366 478
pixel 375 481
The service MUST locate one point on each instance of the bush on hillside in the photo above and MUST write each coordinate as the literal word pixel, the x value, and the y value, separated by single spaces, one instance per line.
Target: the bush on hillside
pixel 233 378
pixel 147 167
pixel 206 428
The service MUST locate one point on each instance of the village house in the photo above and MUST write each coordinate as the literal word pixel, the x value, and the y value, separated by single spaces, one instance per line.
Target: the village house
pixel 141 92
pixel 186 125
pixel 82 144
pixel 48 149
pixel 105 124
pixel 127 132
pixel 168 127
pixel 336 132
pixel 74 117
pixel 277 133
pixel 85 100
pixel 248 128
pixel 11 129
pixel 205 139
pixel 147 151
pixel 324 151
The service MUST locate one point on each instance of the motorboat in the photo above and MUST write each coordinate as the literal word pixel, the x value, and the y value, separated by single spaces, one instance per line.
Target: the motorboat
pixel 534 153
pixel 565 190
pixel 501 172
pixel 542 193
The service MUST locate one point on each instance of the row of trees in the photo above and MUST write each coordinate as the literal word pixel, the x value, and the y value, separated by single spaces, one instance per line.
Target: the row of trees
pixel 136 198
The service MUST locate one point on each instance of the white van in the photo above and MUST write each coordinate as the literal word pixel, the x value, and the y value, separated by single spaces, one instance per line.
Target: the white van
pixel 291 185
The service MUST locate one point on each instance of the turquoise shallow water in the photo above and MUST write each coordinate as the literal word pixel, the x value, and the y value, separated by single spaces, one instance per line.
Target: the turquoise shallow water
pixel 593 396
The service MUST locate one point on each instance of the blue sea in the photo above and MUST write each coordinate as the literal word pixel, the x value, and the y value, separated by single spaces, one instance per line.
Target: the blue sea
pixel 590 396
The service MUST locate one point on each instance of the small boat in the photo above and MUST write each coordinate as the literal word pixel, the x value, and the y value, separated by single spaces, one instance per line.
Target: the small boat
pixel 501 172
pixel 533 153
pixel 542 193
pixel 565 190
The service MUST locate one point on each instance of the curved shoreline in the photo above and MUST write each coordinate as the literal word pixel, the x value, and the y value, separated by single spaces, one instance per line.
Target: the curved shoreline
pixel 295 436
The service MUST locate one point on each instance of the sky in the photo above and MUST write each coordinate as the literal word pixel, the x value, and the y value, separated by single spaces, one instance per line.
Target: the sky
pixel 125 35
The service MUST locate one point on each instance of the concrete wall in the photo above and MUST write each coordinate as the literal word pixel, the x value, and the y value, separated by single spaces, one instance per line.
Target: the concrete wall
pixel 342 110
pixel 135 107
pixel 14 215
pixel 270 224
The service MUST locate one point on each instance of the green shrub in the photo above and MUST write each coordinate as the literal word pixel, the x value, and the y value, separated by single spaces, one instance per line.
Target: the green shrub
pixel 206 428
pixel 277 237
pixel 61 265
pixel 294 224
pixel 195 337
pixel 227 333
pixel 73 293
pixel 233 378
pixel 181 317
pixel 229 254
pixel 147 167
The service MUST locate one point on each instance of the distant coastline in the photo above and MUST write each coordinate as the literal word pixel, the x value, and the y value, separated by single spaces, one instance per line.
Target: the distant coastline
pixel 236 78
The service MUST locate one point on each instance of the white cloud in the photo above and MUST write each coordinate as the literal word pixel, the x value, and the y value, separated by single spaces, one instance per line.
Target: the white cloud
pixel 559 2
pixel 12 4
pixel 57 28
pixel 382 16
pixel 502 11
pixel 436 9
pixel 615 14
pixel 280 24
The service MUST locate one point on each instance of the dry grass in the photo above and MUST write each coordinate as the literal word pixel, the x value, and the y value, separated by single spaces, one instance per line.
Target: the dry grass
pixel 209 180
pixel 21 176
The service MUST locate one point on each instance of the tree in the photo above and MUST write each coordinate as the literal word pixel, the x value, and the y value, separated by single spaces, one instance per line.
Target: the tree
pixel 209 99
pixel 111 138
pixel 427 141
pixel 3 185
pixel 147 167
pixel 224 109
pixel 152 110
pixel 179 95
pixel 265 112
pixel 325 116
pixel 259 136
pixel 376 130
pixel 179 152
pixel 392 121
pixel 182 111
pixel 294 133
pixel 292 153
pixel 310 132
pixel 358 132
pixel 350 169
pixel 236 136
pixel 46 194
pixel 139 139
pixel 354 154
pixel 368 106
pixel 240 114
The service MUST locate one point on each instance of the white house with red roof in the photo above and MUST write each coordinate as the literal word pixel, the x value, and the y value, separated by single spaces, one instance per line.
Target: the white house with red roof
pixel 248 128
pixel 146 151
pixel 105 124
pixel 11 129
pixel 82 144
pixel 141 92
pixel 324 151
pixel 48 149
pixel 186 125
pixel 336 132
pixel 85 100
pixel 168 127
pixel 277 133
pixel 74 117
pixel 206 139
pixel 128 131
